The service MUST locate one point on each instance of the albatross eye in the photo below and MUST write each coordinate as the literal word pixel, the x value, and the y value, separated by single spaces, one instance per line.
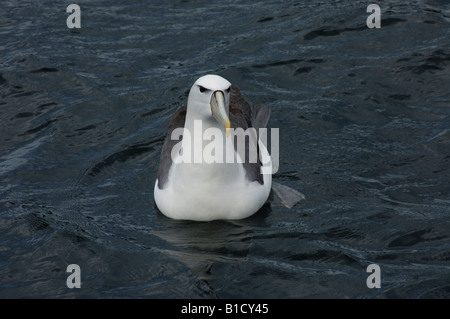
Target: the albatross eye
pixel 202 89
pixel 228 90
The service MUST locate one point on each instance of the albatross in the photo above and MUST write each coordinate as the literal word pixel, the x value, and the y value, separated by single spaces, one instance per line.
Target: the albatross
pixel 205 190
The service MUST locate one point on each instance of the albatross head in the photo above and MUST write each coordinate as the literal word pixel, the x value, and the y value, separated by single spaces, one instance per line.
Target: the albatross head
pixel 209 97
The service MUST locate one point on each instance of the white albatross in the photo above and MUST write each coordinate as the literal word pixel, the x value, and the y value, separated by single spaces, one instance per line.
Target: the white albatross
pixel 204 190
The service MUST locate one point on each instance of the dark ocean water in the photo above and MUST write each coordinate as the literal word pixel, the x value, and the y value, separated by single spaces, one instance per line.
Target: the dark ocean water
pixel 364 118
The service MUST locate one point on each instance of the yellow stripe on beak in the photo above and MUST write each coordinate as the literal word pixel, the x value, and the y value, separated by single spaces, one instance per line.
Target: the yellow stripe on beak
pixel 219 112
pixel 228 127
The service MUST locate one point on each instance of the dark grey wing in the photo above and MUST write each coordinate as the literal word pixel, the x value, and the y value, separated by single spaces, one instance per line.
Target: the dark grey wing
pixel 176 121
pixel 261 116
pixel 286 195
pixel 243 114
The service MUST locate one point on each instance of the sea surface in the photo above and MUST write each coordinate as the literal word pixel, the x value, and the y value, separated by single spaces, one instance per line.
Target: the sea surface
pixel 364 124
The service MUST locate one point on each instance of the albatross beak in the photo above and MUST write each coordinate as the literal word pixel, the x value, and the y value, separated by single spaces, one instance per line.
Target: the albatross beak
pixel 218 110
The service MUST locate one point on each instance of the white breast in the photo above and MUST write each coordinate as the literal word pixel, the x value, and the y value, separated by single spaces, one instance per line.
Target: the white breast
pixel 206 192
